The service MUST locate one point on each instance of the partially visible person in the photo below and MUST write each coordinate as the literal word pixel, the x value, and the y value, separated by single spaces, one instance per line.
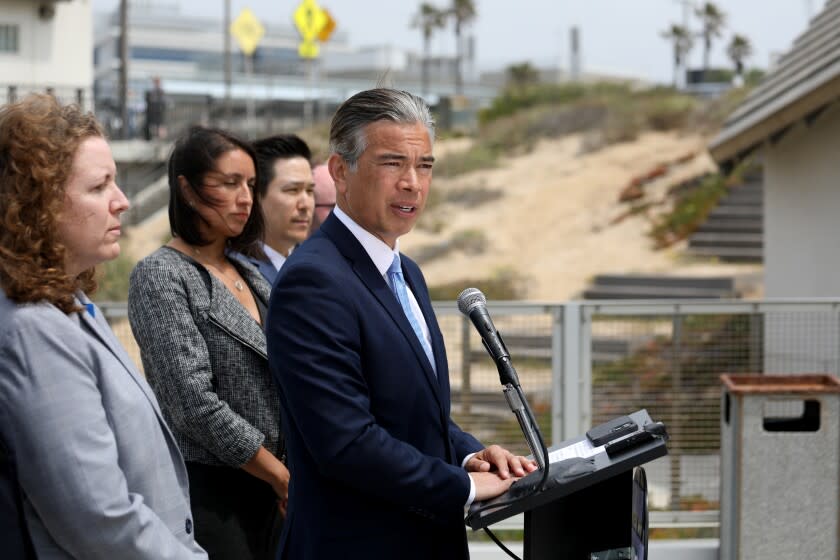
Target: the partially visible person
pixel 324 195
pixel 285 189
pixel 155 125
pixel 99 475
pixel 197 315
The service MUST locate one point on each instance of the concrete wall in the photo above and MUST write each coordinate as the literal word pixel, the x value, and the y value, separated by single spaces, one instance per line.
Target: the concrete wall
pixel 55 52
pixel 802 211
pixel 801 240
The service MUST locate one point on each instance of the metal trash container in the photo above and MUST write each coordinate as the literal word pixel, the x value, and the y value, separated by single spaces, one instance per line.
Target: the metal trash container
pixel 780 467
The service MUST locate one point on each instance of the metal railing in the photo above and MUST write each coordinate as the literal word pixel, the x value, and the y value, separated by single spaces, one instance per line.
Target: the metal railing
pixel 582 363
pixel 10 93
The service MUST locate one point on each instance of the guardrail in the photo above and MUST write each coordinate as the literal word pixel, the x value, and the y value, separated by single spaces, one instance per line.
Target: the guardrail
pixel 582 363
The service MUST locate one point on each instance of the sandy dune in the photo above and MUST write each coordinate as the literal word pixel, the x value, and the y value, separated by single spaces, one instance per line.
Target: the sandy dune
pixel 554 222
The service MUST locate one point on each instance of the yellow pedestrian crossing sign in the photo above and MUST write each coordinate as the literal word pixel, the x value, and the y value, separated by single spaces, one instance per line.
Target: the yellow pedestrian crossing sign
pixel 310 19
pixel 308 49
pixel 248 31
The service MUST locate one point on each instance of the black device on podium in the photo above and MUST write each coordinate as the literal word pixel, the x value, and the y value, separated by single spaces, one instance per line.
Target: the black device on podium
pixel 586 511
pixel 586 501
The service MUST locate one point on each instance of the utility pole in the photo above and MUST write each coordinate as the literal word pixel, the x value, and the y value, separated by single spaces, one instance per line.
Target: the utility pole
pixel 688 6
pixel 226 35
pixel 123 93
pixel 574 53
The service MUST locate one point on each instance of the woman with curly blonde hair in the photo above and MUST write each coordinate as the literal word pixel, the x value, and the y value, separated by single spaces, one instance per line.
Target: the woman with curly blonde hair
pixel 88 468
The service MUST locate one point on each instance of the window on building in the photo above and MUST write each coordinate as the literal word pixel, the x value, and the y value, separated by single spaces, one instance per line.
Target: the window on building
pixel 8 38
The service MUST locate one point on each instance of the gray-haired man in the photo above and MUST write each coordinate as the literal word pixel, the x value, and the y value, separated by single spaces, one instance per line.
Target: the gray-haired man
pixel 379 469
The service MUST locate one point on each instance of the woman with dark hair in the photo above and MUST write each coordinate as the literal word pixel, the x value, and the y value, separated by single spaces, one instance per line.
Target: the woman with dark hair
pixel 94 470
pixel 197 314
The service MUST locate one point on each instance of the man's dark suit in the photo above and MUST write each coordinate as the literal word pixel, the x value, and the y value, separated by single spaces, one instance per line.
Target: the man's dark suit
pixel 374 457
pixel 266 267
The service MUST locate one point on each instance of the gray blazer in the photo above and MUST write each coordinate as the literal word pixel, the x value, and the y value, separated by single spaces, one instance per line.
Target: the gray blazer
pixel 205 357
pixel 100 473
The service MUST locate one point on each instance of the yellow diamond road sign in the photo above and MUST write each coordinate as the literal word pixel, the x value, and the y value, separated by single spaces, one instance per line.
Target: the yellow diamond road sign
pixel 309 19
pixel 248 31
pixel 308 49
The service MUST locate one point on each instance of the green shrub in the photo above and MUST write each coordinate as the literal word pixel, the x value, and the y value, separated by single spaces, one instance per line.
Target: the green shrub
pixel 689 211
pixel 610 113
pixel 113 279
pixel 504 284
pixel 472 196
pixel 477 158
pixel 691 208
pixel 516 99
pixel 470 241
pixel 669 113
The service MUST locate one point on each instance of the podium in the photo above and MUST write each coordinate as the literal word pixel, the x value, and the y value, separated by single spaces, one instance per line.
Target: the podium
pixel 584 514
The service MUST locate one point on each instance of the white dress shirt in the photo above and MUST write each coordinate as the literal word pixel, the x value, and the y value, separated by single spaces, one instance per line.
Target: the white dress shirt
pixel 277 259
pixel 382 256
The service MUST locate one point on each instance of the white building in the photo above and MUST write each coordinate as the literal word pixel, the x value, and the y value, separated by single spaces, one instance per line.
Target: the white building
pixel 792 121
pixel 46 45
pixel 187 53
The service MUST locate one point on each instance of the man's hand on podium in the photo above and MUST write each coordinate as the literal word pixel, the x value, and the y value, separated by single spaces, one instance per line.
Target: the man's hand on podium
pixel 500 461
pixel 489 485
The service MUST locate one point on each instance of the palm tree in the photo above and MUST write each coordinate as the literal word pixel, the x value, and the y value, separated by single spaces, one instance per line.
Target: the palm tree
pixel 428 19
pixel 713 21
pixel 463 12
pixel 682 42
pixel 738 50
pixel 522 74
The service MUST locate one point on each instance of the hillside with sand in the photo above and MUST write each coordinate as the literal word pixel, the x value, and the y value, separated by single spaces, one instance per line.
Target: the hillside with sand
pixel 553 219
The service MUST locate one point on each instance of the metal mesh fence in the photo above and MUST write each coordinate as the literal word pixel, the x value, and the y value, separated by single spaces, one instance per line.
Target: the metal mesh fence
pixel 478 404
pixel 669 364
pixel 666 358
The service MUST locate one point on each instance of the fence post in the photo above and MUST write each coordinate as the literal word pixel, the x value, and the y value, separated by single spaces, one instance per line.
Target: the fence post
pixel 12 95
pixel 571 370
pixel 80 98
pixel 676 408
pixel 556 374
pixel 756 358
pixel 466 366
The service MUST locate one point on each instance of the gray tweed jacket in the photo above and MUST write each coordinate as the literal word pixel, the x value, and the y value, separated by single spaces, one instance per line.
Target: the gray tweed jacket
pixel 205 358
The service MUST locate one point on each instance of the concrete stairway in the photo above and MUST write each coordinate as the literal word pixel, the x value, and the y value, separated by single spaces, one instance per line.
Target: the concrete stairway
pixel 734 230
pixel 631 286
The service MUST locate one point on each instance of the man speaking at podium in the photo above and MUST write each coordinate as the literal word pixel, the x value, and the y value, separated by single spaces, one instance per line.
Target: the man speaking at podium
pixel 378 468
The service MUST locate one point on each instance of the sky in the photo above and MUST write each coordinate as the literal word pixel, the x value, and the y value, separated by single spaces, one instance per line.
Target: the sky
pixel 617 36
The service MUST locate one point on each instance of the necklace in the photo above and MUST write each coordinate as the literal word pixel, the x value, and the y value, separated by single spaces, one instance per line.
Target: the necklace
pixel 236 282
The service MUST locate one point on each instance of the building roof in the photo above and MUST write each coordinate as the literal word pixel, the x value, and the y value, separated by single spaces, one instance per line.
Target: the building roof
pixel 805 81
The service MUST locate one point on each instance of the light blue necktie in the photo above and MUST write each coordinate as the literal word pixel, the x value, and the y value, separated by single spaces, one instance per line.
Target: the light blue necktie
pixel 395 275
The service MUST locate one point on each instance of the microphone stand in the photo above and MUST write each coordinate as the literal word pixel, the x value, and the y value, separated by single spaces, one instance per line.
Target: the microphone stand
pixel 521 409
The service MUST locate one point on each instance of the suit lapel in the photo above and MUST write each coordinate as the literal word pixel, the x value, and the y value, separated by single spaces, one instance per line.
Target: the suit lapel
pixel 266 268
pixel 231 316
pixel 100 328
pixel 268 271
pixel 364 268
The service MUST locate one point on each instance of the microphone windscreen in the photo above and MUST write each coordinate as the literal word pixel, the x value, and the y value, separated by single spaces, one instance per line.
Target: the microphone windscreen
pixel 469 298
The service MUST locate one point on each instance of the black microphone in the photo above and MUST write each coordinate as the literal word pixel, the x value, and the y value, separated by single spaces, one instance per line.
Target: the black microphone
pixel 473 304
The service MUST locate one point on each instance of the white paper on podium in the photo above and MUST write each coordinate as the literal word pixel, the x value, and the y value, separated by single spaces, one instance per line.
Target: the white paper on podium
pixel 583 449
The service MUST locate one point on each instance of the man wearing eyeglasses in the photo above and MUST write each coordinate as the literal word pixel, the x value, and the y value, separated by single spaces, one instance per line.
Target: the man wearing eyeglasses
pixel 324 195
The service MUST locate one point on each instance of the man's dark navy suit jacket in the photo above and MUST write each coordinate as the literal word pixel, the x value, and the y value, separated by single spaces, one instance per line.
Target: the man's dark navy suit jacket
pixel 374 457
